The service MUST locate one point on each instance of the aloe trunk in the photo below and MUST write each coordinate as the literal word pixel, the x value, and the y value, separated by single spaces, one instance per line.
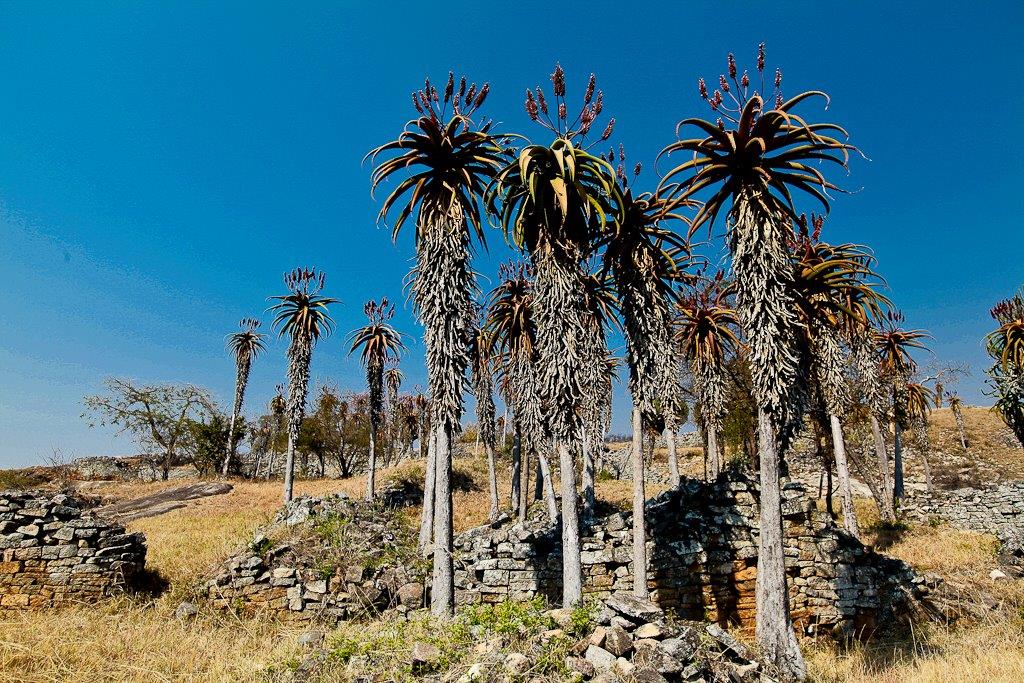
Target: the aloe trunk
pixel 639 499
pixel 241 380
pixel 371 466
pixel 300 353
pixel 673 461
pixel 492 480
pixel 774 624
pixel 588 475
pixel 517 473
pixel 443 587
pixel 572 566
pixel 885 505
pixel 427 515
pixel 714 464
pixel 845 487
pixel 898 491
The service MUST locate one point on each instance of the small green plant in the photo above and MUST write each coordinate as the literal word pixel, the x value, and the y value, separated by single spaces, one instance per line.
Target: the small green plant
pixel 582 620
pixel 934 522
pixel 605 475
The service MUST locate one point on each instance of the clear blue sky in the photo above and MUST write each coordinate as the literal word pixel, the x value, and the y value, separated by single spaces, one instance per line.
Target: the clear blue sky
pixel 162 164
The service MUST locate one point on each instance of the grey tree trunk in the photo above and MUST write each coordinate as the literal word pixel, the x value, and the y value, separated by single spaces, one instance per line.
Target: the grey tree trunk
pixel 572 567
pixel 673 460
pixel 289 470
pixel 589 475
pixel 639 498
pixel 958 415
pixel 549 484
pixel 241 380
pixel 427 515
pixel 371 466
pixel 885 504
pixel 713 458
pixel 442 600
pixel 300 353
pixel 898 492
pixel 517 473
pixel 492 478
pixel 843 468
pixel 524 489
pixel 774 626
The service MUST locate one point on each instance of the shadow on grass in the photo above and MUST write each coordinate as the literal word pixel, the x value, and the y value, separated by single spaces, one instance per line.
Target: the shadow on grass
pixel 149 583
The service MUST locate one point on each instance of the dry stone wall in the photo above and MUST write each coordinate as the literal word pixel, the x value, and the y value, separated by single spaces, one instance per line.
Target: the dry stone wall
pixel 53 552
pixel 702 551
pixel 996 510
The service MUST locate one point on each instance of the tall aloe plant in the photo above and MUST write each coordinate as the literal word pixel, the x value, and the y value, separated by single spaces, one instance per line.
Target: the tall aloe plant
pixel 444 158
pixel 245 345
pixel 644 260
pixel 378 343
pixel 302 315
pixel 553 203
pixel 748 163
pixel 835 300
pixel 706 333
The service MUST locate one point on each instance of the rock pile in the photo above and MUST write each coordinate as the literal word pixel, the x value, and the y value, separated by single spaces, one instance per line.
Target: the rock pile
pixel 54 552
pixel 634 641
pixel 329 559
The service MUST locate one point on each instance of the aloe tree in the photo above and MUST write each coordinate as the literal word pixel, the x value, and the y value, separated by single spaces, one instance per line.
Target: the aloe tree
pixel 893 345
pixel 1006 376
pixel 553 202
pixel 393 381
pixel 919 403
pixel 705 331
pixel 245 345
pixel 278 407
pixel 835 301
pixel 482 380
pixel 956 404
pixel 643 258
pixel 749 162
pixel 510 324
pixel 302 315
pixel 601 303
pixel 445 158
pixel 378 343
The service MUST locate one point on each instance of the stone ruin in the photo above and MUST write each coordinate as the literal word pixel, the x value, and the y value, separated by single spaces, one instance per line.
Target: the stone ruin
pixel 329 559
pixel 53 552
pixel 997 510
pixel 702 552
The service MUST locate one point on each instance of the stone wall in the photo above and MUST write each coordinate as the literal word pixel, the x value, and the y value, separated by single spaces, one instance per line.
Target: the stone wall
pixel 996 510
pixel 702 553
pixel 53 552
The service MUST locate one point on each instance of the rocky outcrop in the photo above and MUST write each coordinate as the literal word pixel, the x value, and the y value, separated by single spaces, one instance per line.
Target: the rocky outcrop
pixel 328 559
pixel 702 552
pixel 53 552
pixel 161 502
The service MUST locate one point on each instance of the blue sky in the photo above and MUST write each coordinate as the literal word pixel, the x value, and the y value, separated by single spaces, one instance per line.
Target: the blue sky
pixel 162 164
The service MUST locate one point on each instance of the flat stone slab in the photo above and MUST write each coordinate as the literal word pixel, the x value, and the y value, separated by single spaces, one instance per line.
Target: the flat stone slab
pixel 161 502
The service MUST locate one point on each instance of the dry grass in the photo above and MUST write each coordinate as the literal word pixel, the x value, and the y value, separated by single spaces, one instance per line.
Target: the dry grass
pixel 139 639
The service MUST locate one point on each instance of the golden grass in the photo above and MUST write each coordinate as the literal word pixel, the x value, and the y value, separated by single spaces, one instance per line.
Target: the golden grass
pixel 140 640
